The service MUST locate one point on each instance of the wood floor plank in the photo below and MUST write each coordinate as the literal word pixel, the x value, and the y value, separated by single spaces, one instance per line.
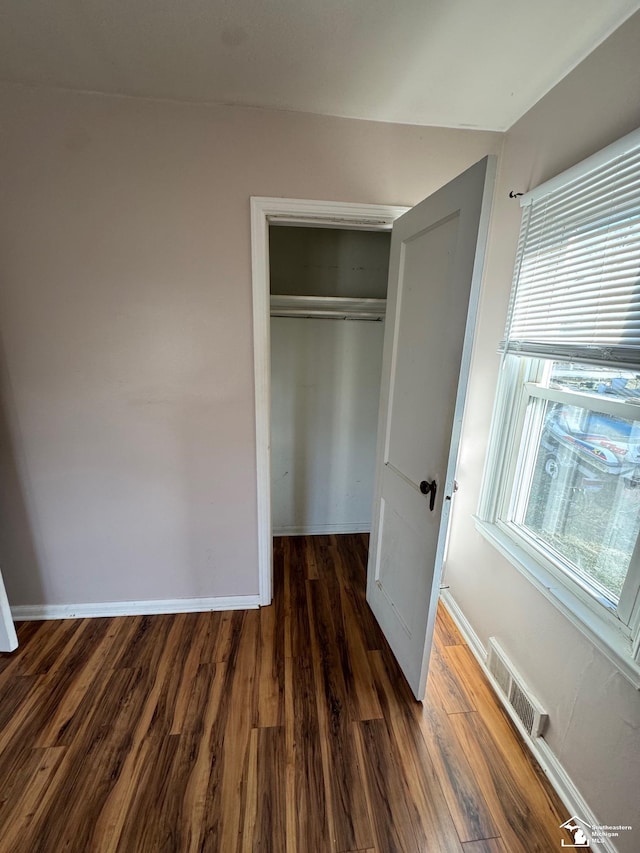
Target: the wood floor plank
pixel 268 831
pixel 15 692
pixel 228 637
pixel 174 665
pixel 289 728
pixel 329 571
pixel 324 552
pixel 153 791
pixel 41 657
pixel 38 654
pixel 198 634
pixel 353 580
pixel 13 788
pixel 489 845
pixel 147 643
pixel 282 557
pixel 372 635
pixel 119 773
pixel 299 629
pixel 309 819
pixel 464 668
pixel 435 821
pixel 25 631
pixel 524 820
pixel 25 727
pixel 278 607
pixel 72 728
pixel 444 689
pixel 469 810
pixel 198 752
pixel 351 568
pixel 365 704
pixel 89 777
pixel 250 805
pixel 87 771
pixel 340 573
pixel 526 773
pixel 312 572
pixel 387 790
pixel 269 693
pixel 152 724
pixel 291 808
pixel 207 636
pixel 81 636
pixel 14 821
pixel 81 672
pixel 348 808
pixel 225 792
pixel 446 629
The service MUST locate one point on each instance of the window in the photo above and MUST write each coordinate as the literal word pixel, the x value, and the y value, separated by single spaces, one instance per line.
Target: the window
pixel 561 496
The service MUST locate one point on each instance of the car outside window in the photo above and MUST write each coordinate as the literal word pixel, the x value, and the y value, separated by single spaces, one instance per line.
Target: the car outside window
pixel 576 494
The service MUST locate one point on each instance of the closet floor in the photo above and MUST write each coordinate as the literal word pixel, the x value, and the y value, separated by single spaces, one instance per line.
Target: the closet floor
pixel 286 729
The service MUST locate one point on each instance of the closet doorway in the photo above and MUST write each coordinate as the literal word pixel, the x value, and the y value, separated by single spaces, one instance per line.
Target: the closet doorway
pixel 328 296
pixel 324 386
pixel 435 272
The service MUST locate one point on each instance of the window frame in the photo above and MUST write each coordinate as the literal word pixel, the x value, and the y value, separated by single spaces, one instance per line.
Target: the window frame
pixel 616 633
pixel 574 299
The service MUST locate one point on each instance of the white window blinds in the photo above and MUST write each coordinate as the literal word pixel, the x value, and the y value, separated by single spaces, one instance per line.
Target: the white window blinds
pixel 576 293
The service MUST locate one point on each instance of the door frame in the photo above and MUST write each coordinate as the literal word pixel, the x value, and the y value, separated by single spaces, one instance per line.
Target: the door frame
pixel 8 636
pixel 300 212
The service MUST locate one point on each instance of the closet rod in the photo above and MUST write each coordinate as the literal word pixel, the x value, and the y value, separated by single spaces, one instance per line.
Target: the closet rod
pixel 325 315
pixel 328 307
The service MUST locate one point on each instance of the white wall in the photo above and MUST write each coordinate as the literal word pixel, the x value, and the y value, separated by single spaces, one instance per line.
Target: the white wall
pixel 329 262
pixel 127 438
pixel 594 712
pixel 325 391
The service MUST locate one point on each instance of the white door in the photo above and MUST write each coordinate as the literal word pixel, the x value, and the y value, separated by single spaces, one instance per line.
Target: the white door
pixel 8 638
pixel 435 268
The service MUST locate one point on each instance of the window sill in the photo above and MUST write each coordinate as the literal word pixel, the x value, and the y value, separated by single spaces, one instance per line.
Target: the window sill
pixel 605 636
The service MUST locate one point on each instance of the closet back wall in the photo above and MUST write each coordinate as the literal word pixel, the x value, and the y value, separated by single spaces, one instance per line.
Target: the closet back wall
pixel 325 381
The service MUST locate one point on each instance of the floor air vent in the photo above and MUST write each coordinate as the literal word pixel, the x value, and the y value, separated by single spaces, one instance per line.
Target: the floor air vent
pixel 514 692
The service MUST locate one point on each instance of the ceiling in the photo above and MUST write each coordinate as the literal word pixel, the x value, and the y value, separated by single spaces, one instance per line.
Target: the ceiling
pixel 454 63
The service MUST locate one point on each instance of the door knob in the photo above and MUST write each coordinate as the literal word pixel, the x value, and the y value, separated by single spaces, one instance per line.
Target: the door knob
pixel 429 488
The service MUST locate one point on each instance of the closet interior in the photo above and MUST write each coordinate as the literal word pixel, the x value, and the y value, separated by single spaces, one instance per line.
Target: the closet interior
pixel 328 297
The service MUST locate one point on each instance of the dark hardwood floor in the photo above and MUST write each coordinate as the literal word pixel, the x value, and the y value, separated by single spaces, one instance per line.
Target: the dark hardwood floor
pixel 285 729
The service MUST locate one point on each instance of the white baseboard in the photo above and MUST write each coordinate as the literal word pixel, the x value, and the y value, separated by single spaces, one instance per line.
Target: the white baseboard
pixel 322 529
pixel 471 638
pixel 560 780
pixel 153 607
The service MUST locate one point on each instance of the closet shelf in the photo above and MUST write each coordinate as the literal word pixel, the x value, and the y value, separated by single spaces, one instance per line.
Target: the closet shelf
pixel 328 307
